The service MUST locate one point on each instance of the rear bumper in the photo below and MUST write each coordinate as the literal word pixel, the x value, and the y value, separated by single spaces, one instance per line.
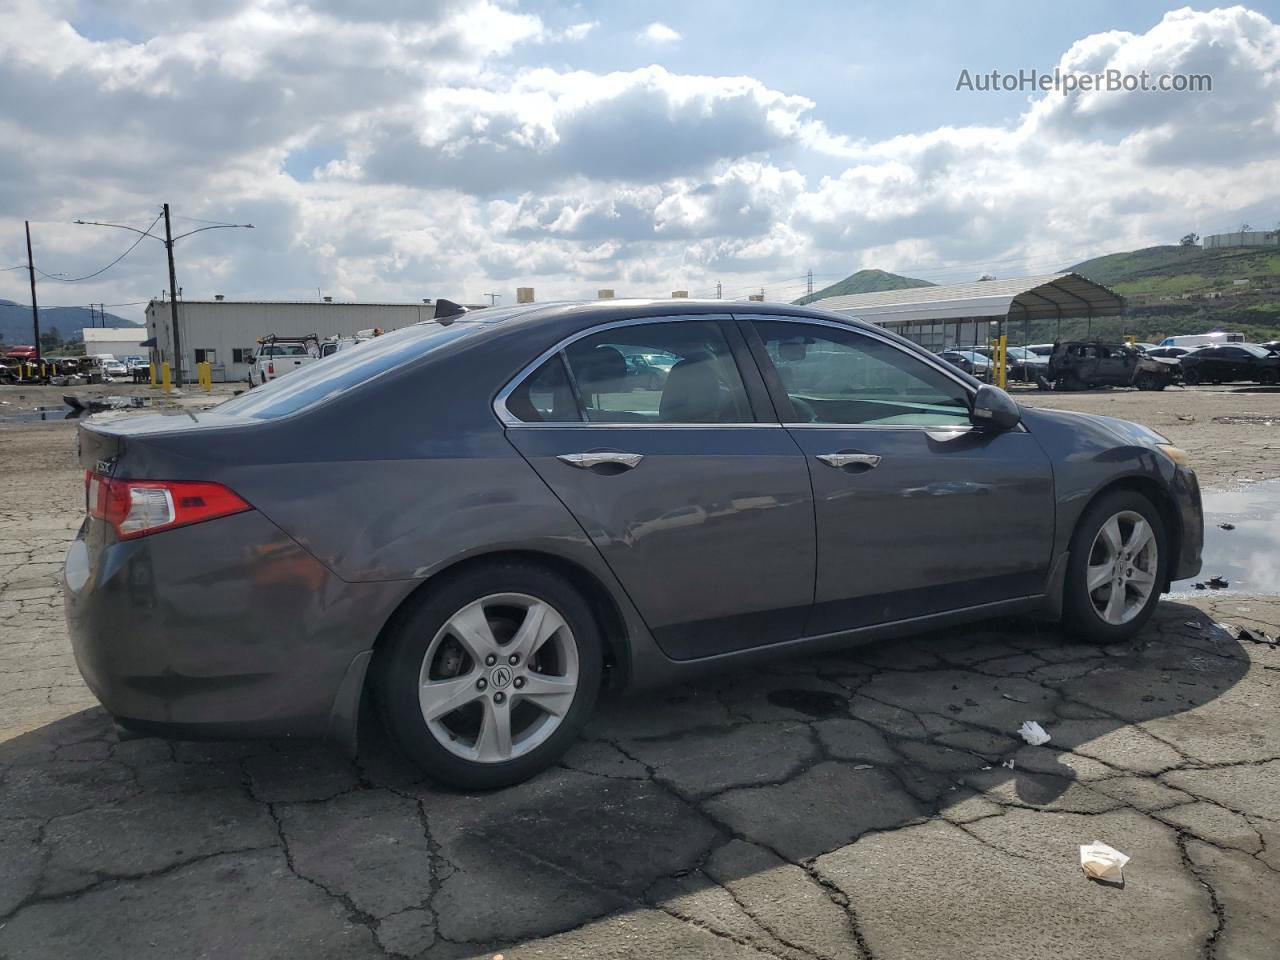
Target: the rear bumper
pixel 219 630
pixel 1186 497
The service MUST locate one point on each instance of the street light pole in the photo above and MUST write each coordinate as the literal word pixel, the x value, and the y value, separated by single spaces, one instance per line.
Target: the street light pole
pixel 35 310
pixel 173 300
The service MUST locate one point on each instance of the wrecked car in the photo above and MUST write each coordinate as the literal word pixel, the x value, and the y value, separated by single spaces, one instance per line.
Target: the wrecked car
pixel 1081 364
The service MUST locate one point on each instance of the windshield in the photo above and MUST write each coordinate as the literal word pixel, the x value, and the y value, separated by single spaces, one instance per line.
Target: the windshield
pixel 343 371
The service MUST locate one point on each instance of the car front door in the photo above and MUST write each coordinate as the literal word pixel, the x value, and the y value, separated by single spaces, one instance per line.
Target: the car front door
pixel 918 511
pixel 1236 364
pixel 695 495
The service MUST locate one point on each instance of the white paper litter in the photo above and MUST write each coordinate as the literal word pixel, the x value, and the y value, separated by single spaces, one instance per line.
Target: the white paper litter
pixel 1033 733
pixel 1101 862
pixel 1007 763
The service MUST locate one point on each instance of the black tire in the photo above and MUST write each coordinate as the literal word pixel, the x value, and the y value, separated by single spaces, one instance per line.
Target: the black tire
pixel 1079 616
pixel 1145 381
pixel 1267 378
pixel 1191 378
pixel 398 663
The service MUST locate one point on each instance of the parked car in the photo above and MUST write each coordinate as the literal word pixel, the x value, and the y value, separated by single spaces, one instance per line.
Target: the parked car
pixel 469 523
pixel 1271 345
pixel 114 368
pixel 1170 353
pixel 1023 364
pixel 1081 364
pixel 974 364
pixel 1231 363
pixel 277 356
pixel 1041 349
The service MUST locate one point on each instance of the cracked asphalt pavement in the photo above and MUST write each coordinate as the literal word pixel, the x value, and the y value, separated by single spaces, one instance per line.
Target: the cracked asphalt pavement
pixel 873 803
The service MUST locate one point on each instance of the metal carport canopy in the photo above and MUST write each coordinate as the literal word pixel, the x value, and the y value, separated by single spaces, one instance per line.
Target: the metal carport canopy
pixel 1048 297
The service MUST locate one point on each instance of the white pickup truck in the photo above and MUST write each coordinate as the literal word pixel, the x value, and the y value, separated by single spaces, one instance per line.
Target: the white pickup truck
pixel 277 356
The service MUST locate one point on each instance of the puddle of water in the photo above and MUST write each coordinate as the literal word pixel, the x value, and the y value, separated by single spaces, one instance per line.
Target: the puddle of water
pixel 62 412
pixel 813 703
pixel 1247 557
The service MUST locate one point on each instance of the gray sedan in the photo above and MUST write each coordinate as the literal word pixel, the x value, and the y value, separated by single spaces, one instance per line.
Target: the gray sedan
pixel 475 523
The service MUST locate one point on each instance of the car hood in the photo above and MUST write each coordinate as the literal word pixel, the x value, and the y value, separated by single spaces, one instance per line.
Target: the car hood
pixel 1122 431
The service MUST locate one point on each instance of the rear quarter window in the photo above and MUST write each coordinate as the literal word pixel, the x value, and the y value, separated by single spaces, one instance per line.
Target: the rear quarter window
pixel 344 371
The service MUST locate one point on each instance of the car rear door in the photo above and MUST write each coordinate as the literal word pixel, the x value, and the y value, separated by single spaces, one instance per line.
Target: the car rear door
pixel 695 495
pixel 918 511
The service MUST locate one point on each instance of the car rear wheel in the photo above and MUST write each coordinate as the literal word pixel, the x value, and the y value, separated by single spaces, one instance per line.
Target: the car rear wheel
pixel 1116 568
pixel 488 679
pixel 1267 378
pixel 1190 377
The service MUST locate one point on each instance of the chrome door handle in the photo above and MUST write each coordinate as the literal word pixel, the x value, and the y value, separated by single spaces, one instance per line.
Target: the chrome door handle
pixel 849 459
pixel 585 461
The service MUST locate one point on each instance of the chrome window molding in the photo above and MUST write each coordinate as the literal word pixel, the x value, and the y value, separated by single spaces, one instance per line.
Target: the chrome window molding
pixel 509 420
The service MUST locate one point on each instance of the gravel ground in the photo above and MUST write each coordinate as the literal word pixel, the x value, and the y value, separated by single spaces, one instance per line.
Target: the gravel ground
pixel 874 803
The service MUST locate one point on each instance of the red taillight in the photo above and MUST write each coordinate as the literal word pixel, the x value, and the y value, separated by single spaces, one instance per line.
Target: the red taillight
pixel 137 508
pixel 271 369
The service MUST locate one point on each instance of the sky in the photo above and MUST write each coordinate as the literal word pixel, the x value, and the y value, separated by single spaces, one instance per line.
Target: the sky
pixel 396 150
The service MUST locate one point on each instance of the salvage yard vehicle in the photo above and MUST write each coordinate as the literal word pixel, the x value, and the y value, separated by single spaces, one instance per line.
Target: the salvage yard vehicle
pixel 473 525
pixel 1214 338
pixel 277 356
pixel 1081 364
pixel 1023 364
pixel 971 362
pixel 1232 363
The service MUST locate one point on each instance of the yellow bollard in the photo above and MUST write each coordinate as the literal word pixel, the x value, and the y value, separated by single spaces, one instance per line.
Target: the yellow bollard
pixel 206 375
pixel 1004 360
pixel 164 377
pixel 151 367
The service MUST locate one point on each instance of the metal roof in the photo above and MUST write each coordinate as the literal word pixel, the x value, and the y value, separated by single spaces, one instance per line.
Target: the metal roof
pixel 1046 297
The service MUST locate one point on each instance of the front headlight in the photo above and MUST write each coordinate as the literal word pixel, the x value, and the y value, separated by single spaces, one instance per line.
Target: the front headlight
pixel 1176 454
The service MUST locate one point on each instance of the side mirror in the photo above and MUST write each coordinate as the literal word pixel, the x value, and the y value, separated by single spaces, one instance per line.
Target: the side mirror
pixel 995 409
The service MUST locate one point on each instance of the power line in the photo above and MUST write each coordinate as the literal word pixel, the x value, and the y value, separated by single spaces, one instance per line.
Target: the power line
pixel 97 273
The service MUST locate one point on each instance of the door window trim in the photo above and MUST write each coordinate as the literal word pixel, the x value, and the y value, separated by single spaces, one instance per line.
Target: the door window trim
pixel 782 400
pixel 722 320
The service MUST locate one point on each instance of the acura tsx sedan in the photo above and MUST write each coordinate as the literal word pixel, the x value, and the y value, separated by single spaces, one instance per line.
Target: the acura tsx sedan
pixel 476 522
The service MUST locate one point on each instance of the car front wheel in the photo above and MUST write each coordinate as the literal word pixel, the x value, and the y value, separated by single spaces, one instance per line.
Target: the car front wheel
pixel 1116 568
pixel 488 679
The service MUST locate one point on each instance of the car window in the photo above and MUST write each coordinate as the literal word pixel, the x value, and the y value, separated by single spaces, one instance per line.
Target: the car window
pixel 693 377
pixel 834 376
pixel 347 370
pixel 545 396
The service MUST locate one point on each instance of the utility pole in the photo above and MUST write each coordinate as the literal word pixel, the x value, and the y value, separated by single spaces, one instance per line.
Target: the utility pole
pixel 35 310
pixel 173 300
pixel 169 241
pixel 719 291
pixel 493 297
pixel 810 281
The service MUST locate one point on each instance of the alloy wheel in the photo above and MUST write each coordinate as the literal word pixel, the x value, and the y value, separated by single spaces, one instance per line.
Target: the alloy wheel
pixel 1123 563
pixel 498 678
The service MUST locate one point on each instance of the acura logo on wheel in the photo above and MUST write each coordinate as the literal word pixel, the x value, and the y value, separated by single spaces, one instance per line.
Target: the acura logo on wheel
pixel 501 677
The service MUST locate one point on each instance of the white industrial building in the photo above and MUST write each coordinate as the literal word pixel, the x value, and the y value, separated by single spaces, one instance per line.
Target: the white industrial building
pixel 225 333
pixel 119 342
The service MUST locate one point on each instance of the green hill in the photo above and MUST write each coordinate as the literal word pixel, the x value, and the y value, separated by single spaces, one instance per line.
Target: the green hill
pixel 864 281
pixel 1176 290
pixel 1177 272
pixel 15 321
